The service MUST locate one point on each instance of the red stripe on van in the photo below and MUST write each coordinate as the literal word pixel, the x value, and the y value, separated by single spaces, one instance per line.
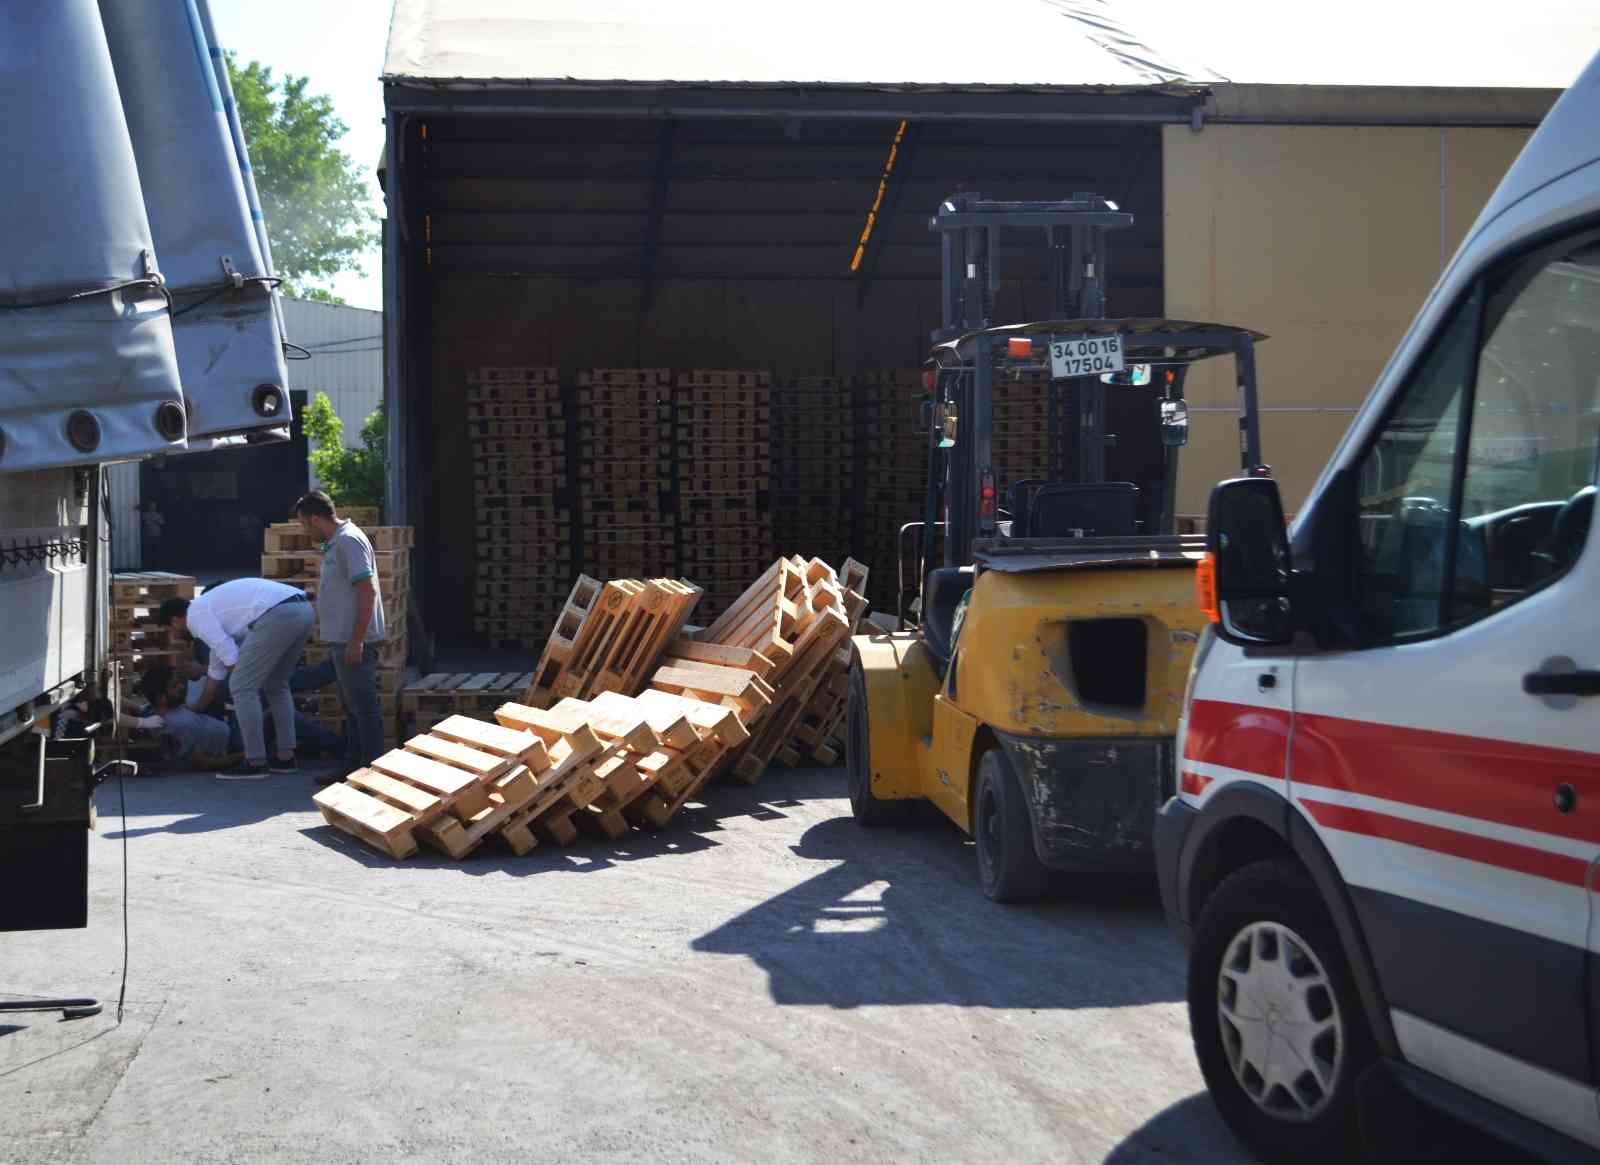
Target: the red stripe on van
pixel 1496 781
pixel 1194 783
pixel 1503 854
pixel 1238 736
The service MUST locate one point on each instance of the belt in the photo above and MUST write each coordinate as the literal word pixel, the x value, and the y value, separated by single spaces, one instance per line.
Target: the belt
pixel 297 597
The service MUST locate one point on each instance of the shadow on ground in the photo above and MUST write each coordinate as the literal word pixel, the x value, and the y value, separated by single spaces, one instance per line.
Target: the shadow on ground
pixel 1190 1131
pixel 896 917
pixel 201 803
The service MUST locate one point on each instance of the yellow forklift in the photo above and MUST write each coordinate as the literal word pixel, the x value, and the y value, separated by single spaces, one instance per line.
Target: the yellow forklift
pixel 1033 693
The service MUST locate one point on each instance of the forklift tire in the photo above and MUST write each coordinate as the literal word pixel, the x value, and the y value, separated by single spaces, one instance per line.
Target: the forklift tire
pixel 1009 870
pixel 864 807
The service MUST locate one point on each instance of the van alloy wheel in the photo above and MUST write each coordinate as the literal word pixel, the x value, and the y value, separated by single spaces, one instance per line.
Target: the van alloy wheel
pixel 1280 1021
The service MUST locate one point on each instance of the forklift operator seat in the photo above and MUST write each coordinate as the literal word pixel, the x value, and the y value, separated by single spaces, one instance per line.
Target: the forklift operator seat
pixel 940 598
pixel 1107 509
pixel 1021 501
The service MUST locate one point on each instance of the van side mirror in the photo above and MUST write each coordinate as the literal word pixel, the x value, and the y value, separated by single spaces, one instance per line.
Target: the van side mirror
pixel 1249 543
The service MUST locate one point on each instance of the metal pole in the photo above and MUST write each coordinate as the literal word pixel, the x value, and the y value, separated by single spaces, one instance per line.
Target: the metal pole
pixel 1249 422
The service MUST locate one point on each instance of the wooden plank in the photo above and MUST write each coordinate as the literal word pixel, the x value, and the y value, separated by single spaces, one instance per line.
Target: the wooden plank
pixel 549 727
pixel 420 803
pixel 630 728
pixel 716 653
pixel 670 725
pixel 710 719
pixel 495 738
pixel 725 681
pixel 445 780
pixel 482 765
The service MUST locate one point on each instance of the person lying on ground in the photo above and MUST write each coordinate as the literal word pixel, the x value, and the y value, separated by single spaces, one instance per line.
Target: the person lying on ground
pixel 199 740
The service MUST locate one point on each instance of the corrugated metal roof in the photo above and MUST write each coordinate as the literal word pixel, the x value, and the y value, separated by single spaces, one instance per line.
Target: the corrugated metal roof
pixel 1066 44
pixel 1075 43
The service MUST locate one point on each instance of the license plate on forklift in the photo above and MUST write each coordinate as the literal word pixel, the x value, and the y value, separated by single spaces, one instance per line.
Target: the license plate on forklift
pixel 1085 355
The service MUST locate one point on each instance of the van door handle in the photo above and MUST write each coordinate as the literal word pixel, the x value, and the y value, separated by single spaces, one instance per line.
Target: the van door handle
pixel 1571 683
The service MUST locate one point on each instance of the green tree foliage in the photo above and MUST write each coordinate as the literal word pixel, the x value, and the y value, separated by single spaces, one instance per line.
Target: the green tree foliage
pixel 313 196
pixel 352 477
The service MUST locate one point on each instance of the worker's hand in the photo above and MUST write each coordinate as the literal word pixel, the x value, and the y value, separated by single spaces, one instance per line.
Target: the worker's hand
pixel 353 651
pixel 149 723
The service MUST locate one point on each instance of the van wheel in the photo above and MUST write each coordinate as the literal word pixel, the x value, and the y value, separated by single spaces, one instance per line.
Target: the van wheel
pixel 1009 869
pixel 1277 1025
pixel 864 807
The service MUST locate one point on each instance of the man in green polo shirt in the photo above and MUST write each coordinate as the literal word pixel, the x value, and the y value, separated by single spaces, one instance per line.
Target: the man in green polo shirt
pixel 350 621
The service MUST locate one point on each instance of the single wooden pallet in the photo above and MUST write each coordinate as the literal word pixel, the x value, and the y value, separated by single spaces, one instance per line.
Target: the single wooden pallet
pixel 451 788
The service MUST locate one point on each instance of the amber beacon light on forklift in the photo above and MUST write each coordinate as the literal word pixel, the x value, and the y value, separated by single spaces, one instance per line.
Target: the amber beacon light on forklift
pixel 1032 688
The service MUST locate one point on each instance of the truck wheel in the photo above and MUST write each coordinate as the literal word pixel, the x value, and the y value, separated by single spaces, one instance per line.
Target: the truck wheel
pixel 864 807
pixel 1277 1025
pixel 1009 869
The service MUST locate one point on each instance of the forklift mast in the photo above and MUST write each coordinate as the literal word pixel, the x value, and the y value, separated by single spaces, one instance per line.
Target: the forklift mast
pixel 1074 235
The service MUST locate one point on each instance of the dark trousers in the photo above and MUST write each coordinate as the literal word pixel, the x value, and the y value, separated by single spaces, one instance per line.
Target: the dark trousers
pixel 363 715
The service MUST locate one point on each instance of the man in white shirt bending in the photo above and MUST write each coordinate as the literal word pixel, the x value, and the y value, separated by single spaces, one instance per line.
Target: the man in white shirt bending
pixel 256 629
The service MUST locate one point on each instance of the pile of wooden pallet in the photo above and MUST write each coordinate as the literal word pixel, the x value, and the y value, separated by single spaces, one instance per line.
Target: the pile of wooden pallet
pixel 630 715
pixel 719 489
pixel 1020 446
pixel 292 556
pixel 812 440
pixel 518 430
pixel 896 472
pixel 137 640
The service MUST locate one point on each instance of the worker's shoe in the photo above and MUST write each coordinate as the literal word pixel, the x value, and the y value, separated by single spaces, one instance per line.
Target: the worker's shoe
pixel 279 765
pixel 245 771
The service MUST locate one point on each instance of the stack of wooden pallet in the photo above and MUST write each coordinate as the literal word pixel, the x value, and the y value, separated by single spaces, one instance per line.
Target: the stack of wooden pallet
pixel 1022 429
pixel 292 556
pixel 622 439
pixel 719 488
pixel 812 439
pixel 440 695
pixel 627 720
pixel 137 640
pixel 518 429
pixel 896 465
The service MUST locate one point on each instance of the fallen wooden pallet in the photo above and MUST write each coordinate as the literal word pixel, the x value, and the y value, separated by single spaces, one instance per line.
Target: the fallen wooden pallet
pixel 612 638
pixel 451 787
pixel 563 641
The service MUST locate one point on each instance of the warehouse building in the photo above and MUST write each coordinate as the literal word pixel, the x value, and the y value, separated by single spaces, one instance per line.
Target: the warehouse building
pixel 574 187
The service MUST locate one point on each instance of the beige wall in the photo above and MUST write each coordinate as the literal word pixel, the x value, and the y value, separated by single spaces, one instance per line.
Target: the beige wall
pixel 1326 238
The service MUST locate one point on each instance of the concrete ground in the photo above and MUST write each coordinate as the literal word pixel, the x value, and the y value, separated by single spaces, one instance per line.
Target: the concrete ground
pixel 762 981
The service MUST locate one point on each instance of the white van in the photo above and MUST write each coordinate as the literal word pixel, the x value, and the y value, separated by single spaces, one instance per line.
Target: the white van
pixel 1385 849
